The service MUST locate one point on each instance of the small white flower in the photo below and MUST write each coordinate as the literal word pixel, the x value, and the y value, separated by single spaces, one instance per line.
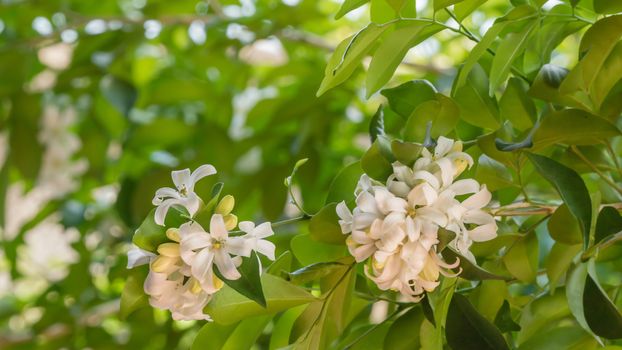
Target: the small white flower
pixel 137 257
pixel 176 292
pixel 201 250
pixel 183 194
pixel 254 238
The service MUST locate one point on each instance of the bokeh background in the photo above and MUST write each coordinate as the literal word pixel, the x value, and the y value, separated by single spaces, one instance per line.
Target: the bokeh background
pixel 100 100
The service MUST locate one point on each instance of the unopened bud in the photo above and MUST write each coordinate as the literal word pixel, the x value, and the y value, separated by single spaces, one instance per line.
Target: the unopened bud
pixel 169 249
pixel 231 221
pixel 173 234
pixel 226 205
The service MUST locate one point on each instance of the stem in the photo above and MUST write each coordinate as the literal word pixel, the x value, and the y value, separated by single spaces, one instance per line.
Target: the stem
pixel 291 221
pixel 595 249
pixel 613 156
pixel 595 168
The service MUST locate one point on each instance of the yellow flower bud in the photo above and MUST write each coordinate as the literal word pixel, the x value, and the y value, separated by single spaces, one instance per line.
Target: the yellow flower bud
pixel 225 206
pixel 173 234
pixel 217 282
pixel 430 270
pixel 461 165
pixel 195 286
pixel 162 263
pixel 231 221
pixel 169 249
pixel 457 147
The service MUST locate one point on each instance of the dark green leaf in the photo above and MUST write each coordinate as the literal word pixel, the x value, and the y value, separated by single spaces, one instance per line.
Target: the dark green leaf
pixel 571 188
pixel 404 98
pixel 609 222
pixel 150 235
pixel 121 94
pixel 467 329
pixel 133 297
pixel 470 271
pixel 314 272
pixel 600 313
pixel 607 6
pixel 442 112
pixel 249 284
pixel 343 185
pixel 375 164
pixel 476 106
pixel 404 332
pixel 406 152
pixel 504 320
pixel 376 125
pixel 564 227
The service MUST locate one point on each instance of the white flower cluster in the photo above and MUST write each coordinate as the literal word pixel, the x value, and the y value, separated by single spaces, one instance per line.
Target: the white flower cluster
pixel 395 226
pixel 181 276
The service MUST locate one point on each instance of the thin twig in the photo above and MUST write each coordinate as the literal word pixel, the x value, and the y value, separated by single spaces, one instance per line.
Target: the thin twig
pixel 596 170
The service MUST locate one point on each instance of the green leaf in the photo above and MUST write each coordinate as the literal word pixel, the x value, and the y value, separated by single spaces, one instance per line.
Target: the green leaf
pixel 121 94
pixel 406 152
pixel 229 306
pixel 442 112
pixel 489 298
pixel 348 55
pixel 600 313
pixel 375 164
pixel 573 127
pixel 562 337
pixel 516 106
pixel 470 271
pixel 314 272
pixel 558 261
pixel 607 78
pixel 546 84
pixel 467 329
pixel 521 259
pixel 376 125
pixel 466 7
pixel 476 106
pixel 309 251
pixel 509 49
pixel 281 265
pixel 212 336
pixel 343 185
pixel 246 333
pixel 571 188
pixel 393 49
pixel 575 285
pixel 283 328
pixel 403 99
pixel 204 215
pixel 441 4
pixel 249 284
pixel 349 5
pixel 564 227
pixel 494 174
pixel 516 14
pixel 504 320
pixel 609 222
pixel 133 296
pixel 607 6
pixel 150 235
pixel 404 332
pixel 324 226
pixel 596 45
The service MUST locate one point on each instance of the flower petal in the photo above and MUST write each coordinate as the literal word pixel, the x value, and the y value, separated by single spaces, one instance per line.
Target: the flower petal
pixel 483 233
pixel 217 227
pixel 478 200
pixel 181 178
pixel 199 173
pixel 162 193
pixel 162 209
pixel 464 186
pixel 137 257
pixel 247 226
pixel 225 265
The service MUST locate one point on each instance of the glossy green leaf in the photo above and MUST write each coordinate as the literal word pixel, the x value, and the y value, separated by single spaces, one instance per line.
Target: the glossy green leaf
pixel 375 164
pixel 393 49
pixel 229 306
pixel 324 226
pixel 508 51
pixel 212 336
pixel 467 329
pixel 516 106
pixel 607 6
pixel 442 112
pixel 521 259
pixel 609 222
pixel 150 235
pixel 283 327
pixel 573 127
pixel 470 271
pixel 249 284
pixel 476 106
pixel 314 272
pixel 406 152
pixel 558 262
pixel 403 333
pixel 466 7
pixel 347 56
pixel 246 333
pixel 343 185
pixel 133 296
pixel 601 314
pixel 441 4
pixel 564 227
pixel 504 320
pixel 494 174
pixel 349 5
pixel 308 251
pixel 376 125
pixel 403 99
pixel 571 188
